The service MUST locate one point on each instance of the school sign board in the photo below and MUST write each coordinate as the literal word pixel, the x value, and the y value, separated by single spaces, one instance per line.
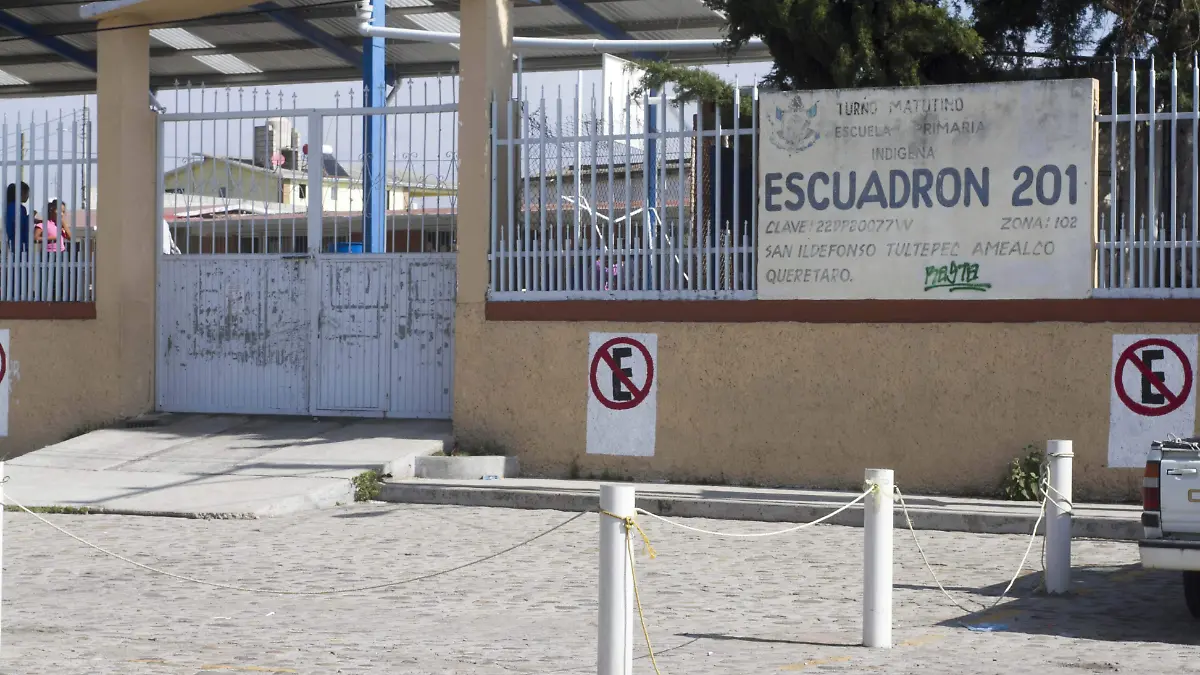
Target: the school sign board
pixel 982 191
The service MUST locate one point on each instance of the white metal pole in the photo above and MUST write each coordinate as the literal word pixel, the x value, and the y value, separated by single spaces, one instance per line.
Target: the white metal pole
pixel 615 655
pixel 877 551
pixel 1060 457
pixel 2 504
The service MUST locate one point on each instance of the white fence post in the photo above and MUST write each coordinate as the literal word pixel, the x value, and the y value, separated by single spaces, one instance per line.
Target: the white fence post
pixel 615 655
pixel 877 568
pixel 2 505
pixel 1059 455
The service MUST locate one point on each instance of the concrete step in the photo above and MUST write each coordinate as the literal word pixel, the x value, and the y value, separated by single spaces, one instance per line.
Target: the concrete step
pixel 951 514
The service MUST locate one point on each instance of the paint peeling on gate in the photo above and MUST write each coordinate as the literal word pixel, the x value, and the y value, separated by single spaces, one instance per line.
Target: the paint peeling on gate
pixel 237 335
pixel 423 344
pixel 233 335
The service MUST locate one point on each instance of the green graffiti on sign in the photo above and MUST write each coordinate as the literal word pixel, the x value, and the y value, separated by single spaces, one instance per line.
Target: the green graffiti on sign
pixel 954 277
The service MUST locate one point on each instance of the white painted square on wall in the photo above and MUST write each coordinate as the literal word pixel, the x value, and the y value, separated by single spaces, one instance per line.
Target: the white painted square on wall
pixel 622 386
pixel 1152 391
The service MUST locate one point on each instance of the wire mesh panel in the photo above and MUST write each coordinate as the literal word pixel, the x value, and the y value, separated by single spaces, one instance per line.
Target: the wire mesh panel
pixel 47 165
pixel 582 208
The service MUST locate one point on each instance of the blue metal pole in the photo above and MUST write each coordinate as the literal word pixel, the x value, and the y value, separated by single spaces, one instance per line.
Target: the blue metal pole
pixel 375 138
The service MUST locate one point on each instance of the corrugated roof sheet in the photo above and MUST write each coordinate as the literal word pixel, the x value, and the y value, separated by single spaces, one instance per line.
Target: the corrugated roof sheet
pixel 254 38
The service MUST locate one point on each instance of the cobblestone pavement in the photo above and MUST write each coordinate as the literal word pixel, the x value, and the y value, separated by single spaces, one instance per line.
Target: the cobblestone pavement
pixel 721 606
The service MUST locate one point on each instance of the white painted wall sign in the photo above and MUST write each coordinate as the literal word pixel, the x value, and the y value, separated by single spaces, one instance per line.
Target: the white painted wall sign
pixel 618 79
pixel 983 191
pixel 622 409
pixel 5 381
pixel 1153 394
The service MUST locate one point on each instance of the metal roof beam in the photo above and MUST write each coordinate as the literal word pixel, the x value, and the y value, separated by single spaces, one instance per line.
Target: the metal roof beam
pixel 349 74
pixel 260 47
pixel 53 44
pixel 592 19
pixel 309 32
pixel 347 11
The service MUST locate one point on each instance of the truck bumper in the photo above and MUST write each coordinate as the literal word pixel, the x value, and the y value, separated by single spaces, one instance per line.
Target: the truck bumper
pixel 1165 554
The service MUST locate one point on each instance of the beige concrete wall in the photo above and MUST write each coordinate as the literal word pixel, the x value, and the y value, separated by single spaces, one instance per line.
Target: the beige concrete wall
pixel 127 227
pixel 947 406
pixel 64 380
pixel 72 375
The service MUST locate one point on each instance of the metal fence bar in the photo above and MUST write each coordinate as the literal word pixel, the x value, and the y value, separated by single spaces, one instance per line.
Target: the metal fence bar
pixel 542 264
pixel 1153 275
pixel 45 255
pixel 1170 277
pixel 1192 239
pixel 1145 247
pixel 238 182
pixel 634 235
pixel 494 258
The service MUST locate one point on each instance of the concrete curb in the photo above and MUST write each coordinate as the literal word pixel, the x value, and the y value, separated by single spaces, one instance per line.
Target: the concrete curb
pixel 465 468
pixel 978 521
pixel 101 511
pixel 335 492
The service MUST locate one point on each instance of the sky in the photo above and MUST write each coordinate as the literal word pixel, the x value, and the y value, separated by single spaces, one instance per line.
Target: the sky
pixel 419 143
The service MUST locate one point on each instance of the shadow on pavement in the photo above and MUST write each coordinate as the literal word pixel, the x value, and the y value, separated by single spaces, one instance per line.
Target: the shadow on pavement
pixel 747 638
pixel 374 513
pixel 1112 604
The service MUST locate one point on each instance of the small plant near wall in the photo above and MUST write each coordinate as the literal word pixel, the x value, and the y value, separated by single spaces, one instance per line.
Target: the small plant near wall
pixel 367 485
pixel 1023 479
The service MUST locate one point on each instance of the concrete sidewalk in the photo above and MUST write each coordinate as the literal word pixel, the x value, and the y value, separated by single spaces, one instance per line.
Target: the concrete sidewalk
pixel 952 514
pixel 220 466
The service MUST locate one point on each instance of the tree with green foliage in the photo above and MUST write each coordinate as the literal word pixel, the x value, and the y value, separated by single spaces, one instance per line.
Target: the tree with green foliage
pixel 820 44
pixel 831 44
pixel 1070 29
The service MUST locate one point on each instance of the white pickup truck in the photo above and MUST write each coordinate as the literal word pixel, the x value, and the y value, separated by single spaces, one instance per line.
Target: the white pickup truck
pixel 1171 513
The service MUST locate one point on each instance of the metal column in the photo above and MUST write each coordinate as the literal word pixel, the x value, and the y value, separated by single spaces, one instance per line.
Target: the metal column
pixel 375 138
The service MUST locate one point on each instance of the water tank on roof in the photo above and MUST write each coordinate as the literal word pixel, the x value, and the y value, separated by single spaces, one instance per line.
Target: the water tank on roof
pixel 291 159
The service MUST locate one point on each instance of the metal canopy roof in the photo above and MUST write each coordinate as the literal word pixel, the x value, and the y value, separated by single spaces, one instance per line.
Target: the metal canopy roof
pixel 47 48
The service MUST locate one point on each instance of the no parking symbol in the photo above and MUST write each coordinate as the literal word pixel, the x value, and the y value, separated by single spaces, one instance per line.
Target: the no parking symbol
pixel 1152 398
pixel 622 410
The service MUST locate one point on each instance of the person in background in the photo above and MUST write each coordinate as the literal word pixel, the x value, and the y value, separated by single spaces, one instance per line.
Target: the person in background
pixel 53 231
pixel 16 217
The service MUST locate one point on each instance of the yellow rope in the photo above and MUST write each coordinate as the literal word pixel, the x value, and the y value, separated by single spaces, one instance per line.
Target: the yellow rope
pixel 638 596
pixel 631 524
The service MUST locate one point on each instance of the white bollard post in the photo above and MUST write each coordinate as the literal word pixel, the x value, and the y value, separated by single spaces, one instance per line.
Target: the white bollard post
pixel 2 505
pixel 877 570
pixel 1060 456
pixel 615 656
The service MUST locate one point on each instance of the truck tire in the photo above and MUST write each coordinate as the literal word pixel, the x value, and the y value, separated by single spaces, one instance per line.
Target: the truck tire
pixel 1191 592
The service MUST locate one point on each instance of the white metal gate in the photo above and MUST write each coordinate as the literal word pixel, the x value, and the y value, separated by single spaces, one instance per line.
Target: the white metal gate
pixel 268 304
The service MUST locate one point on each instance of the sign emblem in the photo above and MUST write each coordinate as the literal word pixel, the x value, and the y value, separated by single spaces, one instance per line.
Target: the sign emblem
pixel 794 130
